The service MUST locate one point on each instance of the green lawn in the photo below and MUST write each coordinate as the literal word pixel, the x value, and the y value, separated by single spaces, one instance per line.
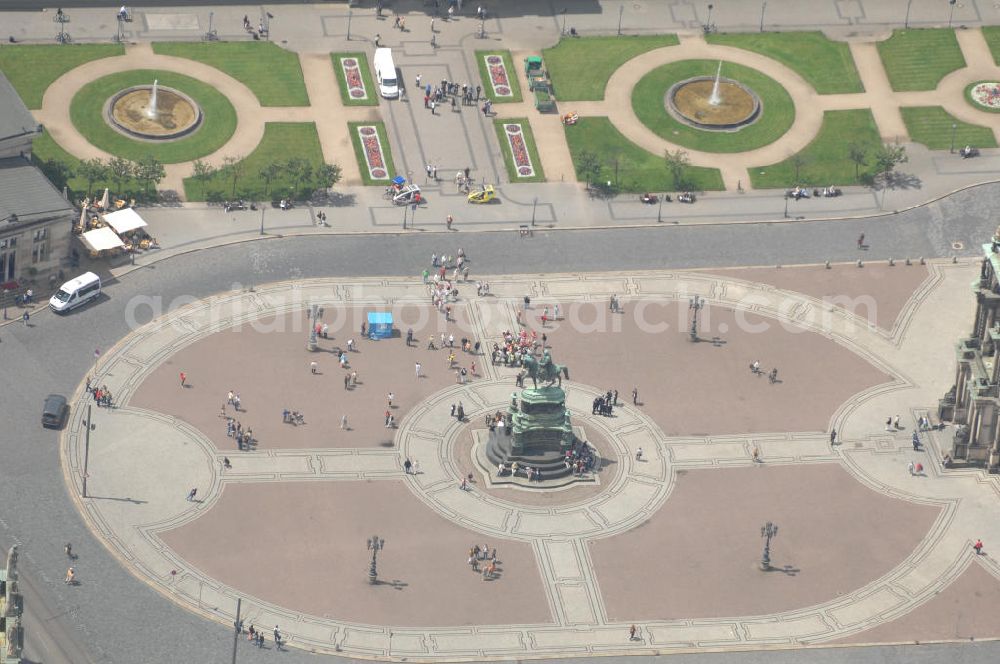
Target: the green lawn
pixel 932 126
pixel 359 153
pixel 271 72
pixel 31 69
pixel 581 66
pixel 366 78
pixel 777 114
pixel 484 76
pixel 218 125
pixel 637 170
pixel 53 159
pixel 992 35
pixel 529 140
pixel 282 141
pixel 919 59
pixel 827 65
pixel 825 161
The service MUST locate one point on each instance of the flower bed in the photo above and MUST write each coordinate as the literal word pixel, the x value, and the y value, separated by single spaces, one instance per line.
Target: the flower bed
pixel 519 150
pixel 498 76
pixel 377 169
pixel 986 93
pixel 352 77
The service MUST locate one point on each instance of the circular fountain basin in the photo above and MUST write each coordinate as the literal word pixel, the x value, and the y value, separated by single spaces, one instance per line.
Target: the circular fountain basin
pixel 690 101
pixel 176 114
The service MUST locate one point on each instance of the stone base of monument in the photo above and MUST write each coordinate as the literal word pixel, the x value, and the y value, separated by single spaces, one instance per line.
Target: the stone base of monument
pixel 490 449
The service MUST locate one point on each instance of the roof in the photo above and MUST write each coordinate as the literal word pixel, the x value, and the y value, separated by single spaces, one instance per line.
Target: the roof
pixel 27 193
pixel 379 318
pixel 15 118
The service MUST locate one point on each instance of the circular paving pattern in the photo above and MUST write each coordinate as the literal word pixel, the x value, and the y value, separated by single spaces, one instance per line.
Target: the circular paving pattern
pixel 88 111
pixel 776 116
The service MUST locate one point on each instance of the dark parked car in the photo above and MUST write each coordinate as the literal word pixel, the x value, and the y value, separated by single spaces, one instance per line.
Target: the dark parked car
pixel 54 411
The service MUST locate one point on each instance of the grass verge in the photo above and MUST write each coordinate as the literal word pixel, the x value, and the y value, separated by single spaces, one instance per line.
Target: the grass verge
pixel 777 113
pixel 32 68
pixel 529 142
pixel 932 126
pixel 218 124
pixel 580 67
pixel 826 160
pixel 636 169
pixel 282 141
pixel 272 73
pixel 359 151
pixel 919 59
pixel 827 65
pixel 366 78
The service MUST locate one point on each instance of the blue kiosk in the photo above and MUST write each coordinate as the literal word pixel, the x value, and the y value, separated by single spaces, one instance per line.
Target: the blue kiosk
pixel 379 325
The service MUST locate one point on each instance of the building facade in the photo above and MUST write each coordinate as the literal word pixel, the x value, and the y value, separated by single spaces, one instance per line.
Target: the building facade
pixel 35 219
pixel 973 404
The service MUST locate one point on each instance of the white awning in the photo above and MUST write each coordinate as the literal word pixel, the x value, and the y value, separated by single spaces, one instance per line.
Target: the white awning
pixel 101 239
pixel 125 220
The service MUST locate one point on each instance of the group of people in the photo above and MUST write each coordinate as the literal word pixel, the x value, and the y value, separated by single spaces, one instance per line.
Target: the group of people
pixel 244 437
pixel 514 349
pixel 497 421
pixel 580 458
pixel 483 554
pixel 605 403
pixel 514 469
pixel 772 375
pixel 102 395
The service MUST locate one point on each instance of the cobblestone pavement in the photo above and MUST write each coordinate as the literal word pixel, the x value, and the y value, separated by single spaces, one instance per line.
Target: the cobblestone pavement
pixel 927 525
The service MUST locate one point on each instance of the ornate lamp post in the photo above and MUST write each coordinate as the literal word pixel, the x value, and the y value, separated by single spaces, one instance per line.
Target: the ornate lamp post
pixel 62 18
pixel 768 531
pixel 375 544
pixel 951 14
pixel 694 306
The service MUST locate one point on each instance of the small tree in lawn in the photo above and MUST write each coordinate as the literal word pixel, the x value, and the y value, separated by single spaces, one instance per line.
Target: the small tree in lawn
pixel 589 167
pixel 859 155
pixel 677 163
pixel 799 160
pixel 888 157
pixel 121 170
pixel 203 171
pixel 234 169
pixel 329 175
pixel 298 169
pixel 92 170
pixel 150 170
pixel 268 174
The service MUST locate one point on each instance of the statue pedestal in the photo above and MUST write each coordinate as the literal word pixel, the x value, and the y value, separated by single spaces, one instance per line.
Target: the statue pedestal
pixel 489 449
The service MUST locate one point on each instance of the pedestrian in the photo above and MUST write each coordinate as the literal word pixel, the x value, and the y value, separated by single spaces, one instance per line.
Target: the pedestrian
pixel 70 577
pixel 631 633
pixel 343 422
pixel 313 367
pixel 432 25
pixel 69 551
pixel 453 406
pixel 417 365
pixel 388 417
pixel 916 442
pixel 464 486
pixel 909 467
pixel 407 466
pixel 638 454
pixel 888 423
pixel 378 40
pixel 389 398
pixel 833 436
pixel 191 494
pixel 226 463
pixel 448 221
pixel 756 454
pixel 433 106
pixel 978 547
pixel 635 396
pixel 460 412
pixel 434 173
pixel 24 318
pixel 418 75
pixel 277 638
pixel 773 376
pixel 895 422
pixel 861 241
pixel 614 399
pixel 183 378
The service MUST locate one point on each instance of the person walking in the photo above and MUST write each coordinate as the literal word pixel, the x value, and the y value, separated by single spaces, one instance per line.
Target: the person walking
pixel 417 369
pixel 69 551
pixel 978 547
pixel 861 241
pixel 389 398
pixel 347 381
pixel 888 423
pixel 448 221
pixel 635 396
pixel 909 467
pixel 638 454
pixel 378 40
pixel 24 318
pixel 833 436
pixel 313 368
pixel 191 494
pixel 226 463
pixel 632 632
pixel 183 379
pixel 895 422
pixel 343 422
pixel 70 579
pixel 277 638
pixel 419 76
pixel 407 466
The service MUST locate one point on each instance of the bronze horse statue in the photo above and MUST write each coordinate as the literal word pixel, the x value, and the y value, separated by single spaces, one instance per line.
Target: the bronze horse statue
pixel 545 370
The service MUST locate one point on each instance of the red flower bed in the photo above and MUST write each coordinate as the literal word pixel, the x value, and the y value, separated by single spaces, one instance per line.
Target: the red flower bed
pixel 373 152
pixel 352 74
pixel 498 75
pixel 519 150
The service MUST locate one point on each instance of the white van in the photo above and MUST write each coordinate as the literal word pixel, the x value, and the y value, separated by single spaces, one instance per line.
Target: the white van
pixel 385 72
pixel 75 292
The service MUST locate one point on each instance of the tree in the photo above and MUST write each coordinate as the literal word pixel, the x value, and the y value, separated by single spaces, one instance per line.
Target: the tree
pixel 298 169
pixel 798 161
pixel 203 171
pixel 677 162
pixel 92 170
pixel 888 157
pixel 268 174
pixel 589 167
pixel 121 170
pixel 859 155
pixel 234 169
pixel 150 170
pixel 329 175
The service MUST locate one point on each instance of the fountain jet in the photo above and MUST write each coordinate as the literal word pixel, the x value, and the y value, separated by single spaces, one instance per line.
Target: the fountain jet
pixel 714 99
pixel 152 112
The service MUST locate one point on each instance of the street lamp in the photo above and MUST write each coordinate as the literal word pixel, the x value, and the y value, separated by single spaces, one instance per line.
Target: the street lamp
pixel 375 544
pixel 951 14
pixel 768 531
pixel 313 344
pixel 906 21
pixel 621 10
pixel 563 12
pixel 786 205
pixel 62 18
pixel 350 15
pixel 659 209
pixel 708 23
pixel 86 451
pixel 763 8
pixel 954 126
pixel 695 305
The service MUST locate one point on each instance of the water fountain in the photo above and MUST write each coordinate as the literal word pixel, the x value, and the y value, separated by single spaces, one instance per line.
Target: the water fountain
pixel 153 112
pixel 713 103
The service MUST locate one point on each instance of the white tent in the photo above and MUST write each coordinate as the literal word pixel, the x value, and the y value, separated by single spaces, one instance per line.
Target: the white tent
pixel 125 220
pixel 101 239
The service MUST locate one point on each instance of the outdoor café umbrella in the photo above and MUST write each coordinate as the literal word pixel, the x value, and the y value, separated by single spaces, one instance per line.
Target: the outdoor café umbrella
pixel 105 200
pixel 83 215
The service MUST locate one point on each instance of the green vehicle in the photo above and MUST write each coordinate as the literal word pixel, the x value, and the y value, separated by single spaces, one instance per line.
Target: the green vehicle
pixel 539 84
